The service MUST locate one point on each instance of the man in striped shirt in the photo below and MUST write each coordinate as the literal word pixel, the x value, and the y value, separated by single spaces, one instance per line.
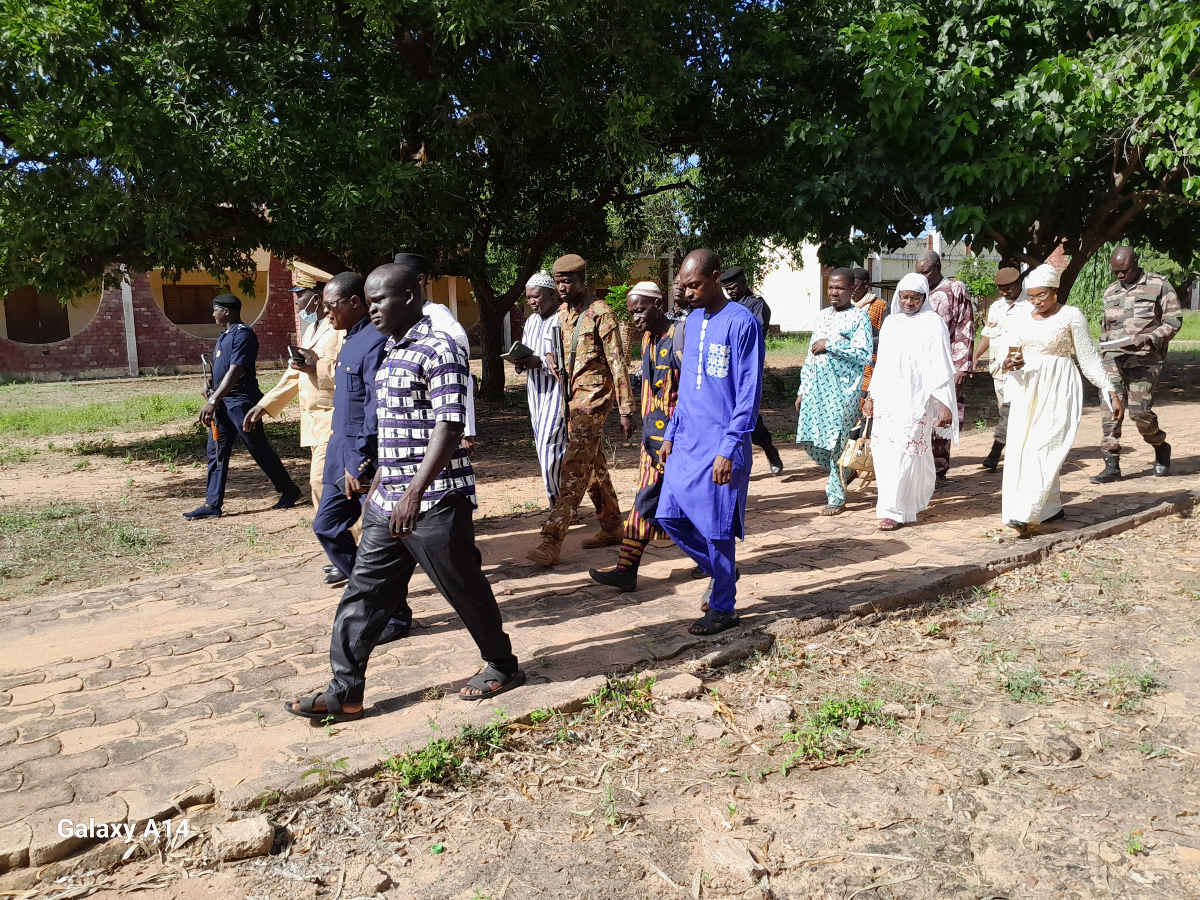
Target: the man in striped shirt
pixel 419 508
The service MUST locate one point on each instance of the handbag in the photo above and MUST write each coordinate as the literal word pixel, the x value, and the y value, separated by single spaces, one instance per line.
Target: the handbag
pixel 857 456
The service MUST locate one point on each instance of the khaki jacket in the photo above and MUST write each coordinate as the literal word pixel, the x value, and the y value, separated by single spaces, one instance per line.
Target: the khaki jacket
pixel 315 391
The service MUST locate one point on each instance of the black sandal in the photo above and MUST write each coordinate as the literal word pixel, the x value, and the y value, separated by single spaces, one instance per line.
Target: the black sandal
pixel 332 713
pixel 714 623
pixel 482 683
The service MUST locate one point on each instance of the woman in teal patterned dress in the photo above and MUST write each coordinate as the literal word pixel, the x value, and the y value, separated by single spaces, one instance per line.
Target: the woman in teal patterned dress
pixel 839 350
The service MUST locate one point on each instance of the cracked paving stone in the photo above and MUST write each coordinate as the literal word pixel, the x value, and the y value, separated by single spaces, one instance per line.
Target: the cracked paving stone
pixel 39 728
pixel 197 642
pixel 13 755
pixel 12 681
pixel 80 740
pixel 107 677
pixel 155 721
pixel 47 844
pixel 222 652
pixel 130 750
pixel 11 780
pixel 32 693
pixel 22 804
pixel 41 774
pixel 186 694
pixel 256 678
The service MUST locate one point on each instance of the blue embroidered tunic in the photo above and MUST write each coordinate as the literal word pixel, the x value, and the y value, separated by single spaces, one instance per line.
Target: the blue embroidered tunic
pixel 720 387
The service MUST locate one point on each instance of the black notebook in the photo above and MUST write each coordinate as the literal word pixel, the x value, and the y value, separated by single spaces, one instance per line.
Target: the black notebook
pixel 517 352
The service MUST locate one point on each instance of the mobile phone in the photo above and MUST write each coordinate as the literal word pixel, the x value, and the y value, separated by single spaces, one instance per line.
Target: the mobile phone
pixel 295 354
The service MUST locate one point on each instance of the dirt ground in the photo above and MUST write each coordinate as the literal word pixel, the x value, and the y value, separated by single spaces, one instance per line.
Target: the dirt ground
pixel 1033 738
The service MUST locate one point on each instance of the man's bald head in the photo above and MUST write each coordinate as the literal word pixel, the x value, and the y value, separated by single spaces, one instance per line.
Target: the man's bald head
pixel 1125 265
pixel 395 298
pixel 700 276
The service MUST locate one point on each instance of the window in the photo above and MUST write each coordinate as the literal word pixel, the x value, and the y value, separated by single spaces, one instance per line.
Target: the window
pixel 35 318
pixel 189 304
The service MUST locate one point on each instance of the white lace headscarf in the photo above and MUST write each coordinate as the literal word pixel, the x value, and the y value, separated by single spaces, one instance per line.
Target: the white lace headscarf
pixel 914 363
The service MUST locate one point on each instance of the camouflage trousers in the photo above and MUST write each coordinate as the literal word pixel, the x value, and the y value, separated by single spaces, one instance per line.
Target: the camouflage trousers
pixel 584 469
pixel 1135 386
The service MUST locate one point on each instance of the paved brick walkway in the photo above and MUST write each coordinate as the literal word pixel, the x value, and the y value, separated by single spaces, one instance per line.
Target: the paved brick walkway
pixel 116 699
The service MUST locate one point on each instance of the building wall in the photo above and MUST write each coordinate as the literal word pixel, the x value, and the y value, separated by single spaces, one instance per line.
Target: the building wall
pixel 793 293
pixel 252 304
pixel 99 349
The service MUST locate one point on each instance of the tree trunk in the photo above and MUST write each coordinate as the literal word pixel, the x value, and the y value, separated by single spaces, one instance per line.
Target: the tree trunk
pixel 491 333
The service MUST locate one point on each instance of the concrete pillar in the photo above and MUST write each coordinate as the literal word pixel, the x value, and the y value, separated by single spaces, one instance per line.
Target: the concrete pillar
pixel 1196 294
pixel 454 296
pixel 507 330
pixel 130 327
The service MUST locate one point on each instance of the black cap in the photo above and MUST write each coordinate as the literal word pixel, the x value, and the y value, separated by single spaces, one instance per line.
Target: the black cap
pixel 732 274
pixel 228 301
pixel 414 261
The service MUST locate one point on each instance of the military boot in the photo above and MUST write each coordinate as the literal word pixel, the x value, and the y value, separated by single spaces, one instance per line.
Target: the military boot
pixel 1112 471
pixel 547 553
pixel 1162 459
pixel 992 460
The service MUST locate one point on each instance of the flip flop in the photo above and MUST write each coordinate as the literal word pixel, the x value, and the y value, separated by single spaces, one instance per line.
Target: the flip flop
pixel 831 510
pixel 714 623
pixel 332 713
pixel 490 673
pixel 890 525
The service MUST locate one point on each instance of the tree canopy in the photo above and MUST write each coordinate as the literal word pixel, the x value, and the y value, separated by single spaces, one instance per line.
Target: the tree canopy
pixel 492 134
pixel 487 134
pixel 1023 125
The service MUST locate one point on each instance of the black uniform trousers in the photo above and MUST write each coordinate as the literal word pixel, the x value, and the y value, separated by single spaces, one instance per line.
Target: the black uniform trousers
pixel 444 545
pixel 230 413
pixel 760 436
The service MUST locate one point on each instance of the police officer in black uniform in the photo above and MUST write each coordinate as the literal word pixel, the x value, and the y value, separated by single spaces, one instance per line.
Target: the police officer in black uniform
pixel 235 392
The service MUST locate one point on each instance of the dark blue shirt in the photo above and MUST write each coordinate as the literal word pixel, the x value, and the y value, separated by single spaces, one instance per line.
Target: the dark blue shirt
pixel 237 345
pixel 353 442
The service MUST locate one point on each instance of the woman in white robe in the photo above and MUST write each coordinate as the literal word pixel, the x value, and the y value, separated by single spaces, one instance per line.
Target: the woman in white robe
pixel 1045 397
pixel 911 395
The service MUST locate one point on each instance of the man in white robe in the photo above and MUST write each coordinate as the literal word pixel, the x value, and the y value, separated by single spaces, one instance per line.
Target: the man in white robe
pixel 912 398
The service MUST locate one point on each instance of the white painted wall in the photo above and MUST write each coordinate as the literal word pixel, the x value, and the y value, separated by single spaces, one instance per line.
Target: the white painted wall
pixel 794 294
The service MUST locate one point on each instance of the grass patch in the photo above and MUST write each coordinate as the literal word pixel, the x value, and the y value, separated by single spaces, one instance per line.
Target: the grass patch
pixel 136 413
pixel 825 733
pixel 621 699
pixel 1191 326
pixel 1130 688
pixel 1025 685
pixel 187 445
pixel 795 342
pixel 441 760
pixel 60 541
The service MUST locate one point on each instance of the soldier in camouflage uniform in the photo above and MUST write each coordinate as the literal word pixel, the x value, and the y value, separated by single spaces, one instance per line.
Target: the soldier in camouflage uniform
pixel 1141 315
pixel 596 373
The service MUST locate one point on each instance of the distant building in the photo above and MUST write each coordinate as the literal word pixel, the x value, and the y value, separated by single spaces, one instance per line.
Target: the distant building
pixel 150 325
pixel 797 294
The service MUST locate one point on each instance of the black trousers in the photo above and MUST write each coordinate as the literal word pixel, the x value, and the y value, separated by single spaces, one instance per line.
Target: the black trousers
pixel 760 437
pixel 230 414
pixel 335 517
pixel 444 544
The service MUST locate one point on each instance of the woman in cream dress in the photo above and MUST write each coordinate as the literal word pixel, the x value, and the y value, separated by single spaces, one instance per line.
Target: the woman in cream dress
pixel 1046 396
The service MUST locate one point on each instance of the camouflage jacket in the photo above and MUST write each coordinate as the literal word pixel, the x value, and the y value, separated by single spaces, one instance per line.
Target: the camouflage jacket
pixel 1147 311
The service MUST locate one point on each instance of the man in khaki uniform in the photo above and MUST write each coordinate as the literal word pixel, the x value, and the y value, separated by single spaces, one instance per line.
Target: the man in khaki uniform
pixel 312 381
pixel 1141 315
pixel 597 377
